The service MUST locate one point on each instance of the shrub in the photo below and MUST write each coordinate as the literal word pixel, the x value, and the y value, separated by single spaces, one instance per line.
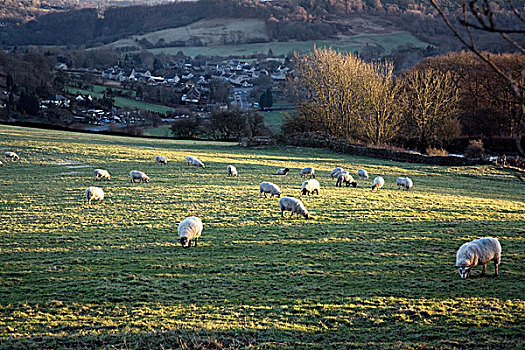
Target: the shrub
pixel 474 149
pixel 431 151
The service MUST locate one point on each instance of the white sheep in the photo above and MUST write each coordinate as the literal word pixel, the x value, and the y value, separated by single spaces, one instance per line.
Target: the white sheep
pixel 404 182
pixel 101 174
pixel 333 173
pixel 340 172
pixel 12 156
pixel 232 171
pixel 378 183
pixel 161 160
pixel 362 173
pixel 293 205
pixel 94 193
pixel 189 228
pixel 478 251
pixel 1 164
pixel 197 163
pixel 138 175
pixel 282 171
pixel 310 186
pixel 189 160
pixel 308 171
pixel 268 187
pixel 347 179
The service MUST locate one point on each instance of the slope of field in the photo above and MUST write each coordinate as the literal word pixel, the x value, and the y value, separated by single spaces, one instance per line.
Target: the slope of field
pixel 369 270
pixel 344 43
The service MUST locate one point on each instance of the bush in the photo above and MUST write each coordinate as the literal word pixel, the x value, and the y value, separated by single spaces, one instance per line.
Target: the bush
pixel 431 151
pixel 474 149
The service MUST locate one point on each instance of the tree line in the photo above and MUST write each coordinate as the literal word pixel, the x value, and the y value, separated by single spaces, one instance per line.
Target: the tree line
pixel 428 106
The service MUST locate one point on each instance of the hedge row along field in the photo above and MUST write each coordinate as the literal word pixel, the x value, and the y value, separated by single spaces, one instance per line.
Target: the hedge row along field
pixel 370 269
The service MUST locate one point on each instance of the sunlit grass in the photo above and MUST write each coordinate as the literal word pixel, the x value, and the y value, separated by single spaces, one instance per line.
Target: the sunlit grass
pixel 369 270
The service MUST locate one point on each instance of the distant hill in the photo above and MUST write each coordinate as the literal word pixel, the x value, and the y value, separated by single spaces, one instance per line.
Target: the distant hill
pixel 282 20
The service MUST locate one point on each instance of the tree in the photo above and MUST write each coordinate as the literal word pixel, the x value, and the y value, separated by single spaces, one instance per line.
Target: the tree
pixel 430 100
pixel 485 16
pixel 227 124
pixel 382 114
pixel 266 99
pixel 29 103
pixel 346 97
pixel 10 83
pixel 187 128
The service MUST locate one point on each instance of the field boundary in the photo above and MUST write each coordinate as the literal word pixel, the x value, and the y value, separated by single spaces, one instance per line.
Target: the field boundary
pixel 381 153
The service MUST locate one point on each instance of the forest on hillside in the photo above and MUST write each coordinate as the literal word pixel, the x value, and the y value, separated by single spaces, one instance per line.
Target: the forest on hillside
pixel 286 20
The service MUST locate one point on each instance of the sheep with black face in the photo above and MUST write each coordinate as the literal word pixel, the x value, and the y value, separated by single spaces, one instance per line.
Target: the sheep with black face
pixel 189 229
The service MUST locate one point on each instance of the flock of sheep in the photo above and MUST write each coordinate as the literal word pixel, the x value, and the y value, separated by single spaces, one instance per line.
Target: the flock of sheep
pixel 477 252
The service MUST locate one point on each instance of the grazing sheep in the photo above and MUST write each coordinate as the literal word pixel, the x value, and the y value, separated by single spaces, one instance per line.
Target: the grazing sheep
pixel 11 155
pixel 340 172
pixel 94 193
pixel 189 228
pixel 282 171
pixel 362 173
pixel 189 160
pixel 293 205
pixel 232 171
pixel 347 179
pixel 404 182
pixel 333 173
pixel 138 175
pixel 478 251
pixel 268 187
pixel 101 174
pixel 310 186
pixel 197 163
pixel 161 160
pixel 308 171
pixel 378 183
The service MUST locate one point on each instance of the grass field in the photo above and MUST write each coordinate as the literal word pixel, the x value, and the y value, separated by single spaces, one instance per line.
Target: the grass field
pixel 124 102
pixel 101 89
pixel 347 44
pixel 161 131
pixel 369 270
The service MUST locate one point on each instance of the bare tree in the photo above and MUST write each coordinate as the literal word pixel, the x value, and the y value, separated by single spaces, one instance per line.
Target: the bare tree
pixel 347 97
pixel 431 106
pixel 477 16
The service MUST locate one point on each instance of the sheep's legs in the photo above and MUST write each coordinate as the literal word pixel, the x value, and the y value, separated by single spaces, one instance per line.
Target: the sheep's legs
pixel 196 241
pixel 496 273
pixel 484 269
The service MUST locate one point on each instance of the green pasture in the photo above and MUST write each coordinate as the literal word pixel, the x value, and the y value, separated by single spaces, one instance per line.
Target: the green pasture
pixel 101 89
pixel 124 102
pixel 161 131
pixel 346 44
pixel 370 270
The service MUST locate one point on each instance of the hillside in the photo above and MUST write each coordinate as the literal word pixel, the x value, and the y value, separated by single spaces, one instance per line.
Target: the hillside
pixel 284 21
pixel 368 270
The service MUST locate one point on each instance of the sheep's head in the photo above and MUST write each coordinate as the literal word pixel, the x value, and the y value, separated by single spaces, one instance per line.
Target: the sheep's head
pixel 354 184
pixel 286 170
pixel 146 179
pixel 184 242
pixel 306 215
pixel 465 266
pixel 465 271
